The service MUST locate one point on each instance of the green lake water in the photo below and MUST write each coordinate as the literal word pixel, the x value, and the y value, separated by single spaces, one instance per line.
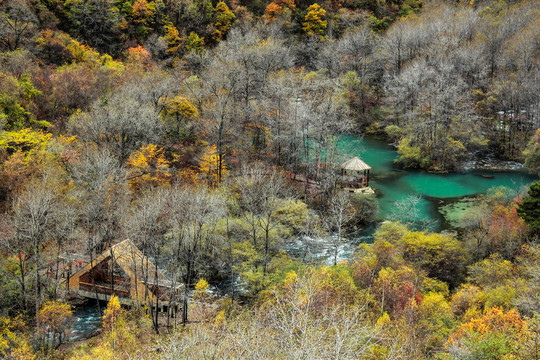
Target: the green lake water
pixel 436 191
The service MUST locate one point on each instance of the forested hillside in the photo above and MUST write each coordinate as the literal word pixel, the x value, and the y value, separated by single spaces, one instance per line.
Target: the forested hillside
pixel 208 133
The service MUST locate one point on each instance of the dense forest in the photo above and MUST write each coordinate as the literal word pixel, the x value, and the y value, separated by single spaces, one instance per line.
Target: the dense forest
pixel 197 128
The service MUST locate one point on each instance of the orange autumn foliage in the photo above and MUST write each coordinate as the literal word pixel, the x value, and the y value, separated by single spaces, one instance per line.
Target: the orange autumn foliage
pixel 494 320
pixel 139 56
pixel 286 3
pixel 506 222
pixel 275 8
pixel 141 12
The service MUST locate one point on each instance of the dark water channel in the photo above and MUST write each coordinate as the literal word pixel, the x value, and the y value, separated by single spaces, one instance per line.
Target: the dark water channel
pixel 86 321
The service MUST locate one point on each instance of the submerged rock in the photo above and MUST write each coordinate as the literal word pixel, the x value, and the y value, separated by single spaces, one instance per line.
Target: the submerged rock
pixel 453 212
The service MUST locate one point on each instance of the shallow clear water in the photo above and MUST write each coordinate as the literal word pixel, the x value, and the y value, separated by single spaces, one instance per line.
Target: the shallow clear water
pixel 86 321
pixel 434 190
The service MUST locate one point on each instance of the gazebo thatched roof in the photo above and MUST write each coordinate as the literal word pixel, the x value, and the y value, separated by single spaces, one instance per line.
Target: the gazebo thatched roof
pixel 355 164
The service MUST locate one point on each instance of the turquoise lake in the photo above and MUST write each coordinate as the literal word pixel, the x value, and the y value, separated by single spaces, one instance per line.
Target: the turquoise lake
pixel 435 190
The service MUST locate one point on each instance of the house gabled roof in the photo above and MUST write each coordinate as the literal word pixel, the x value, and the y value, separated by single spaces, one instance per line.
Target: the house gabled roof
pixel 128 256
pixel 355 164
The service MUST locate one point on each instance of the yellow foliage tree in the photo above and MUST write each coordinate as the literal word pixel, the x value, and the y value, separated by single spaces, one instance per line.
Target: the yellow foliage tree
pixel 126 335
pixel 201 290
pixel 111 314
pixel 174 41
pixel 149 168
pixel 23 155
pixel 314 23
pixel 195 43
pixel 53 318
pixel 13 341
pixel 181 110
pixel 224 21
pixel 212 166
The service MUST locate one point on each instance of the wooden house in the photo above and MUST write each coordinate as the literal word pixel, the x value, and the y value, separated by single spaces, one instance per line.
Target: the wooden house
pixel 355 176
pixel 124 271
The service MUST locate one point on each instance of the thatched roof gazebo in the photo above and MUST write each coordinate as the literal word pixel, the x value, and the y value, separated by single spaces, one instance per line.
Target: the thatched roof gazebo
pixel 355 164
pixel 355 174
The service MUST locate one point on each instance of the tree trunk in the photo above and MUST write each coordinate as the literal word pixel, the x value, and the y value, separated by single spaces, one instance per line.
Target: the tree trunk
pixel 231 260
pixel 156 279
pixel 94 279
pixel 23 281
pixel 266 244
pixel 38 278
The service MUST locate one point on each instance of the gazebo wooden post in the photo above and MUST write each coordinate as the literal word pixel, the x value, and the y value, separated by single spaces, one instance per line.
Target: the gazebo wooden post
pixel 367 182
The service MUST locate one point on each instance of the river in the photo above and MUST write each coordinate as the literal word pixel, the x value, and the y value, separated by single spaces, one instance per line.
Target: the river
pixel 436 194
pixel 86 321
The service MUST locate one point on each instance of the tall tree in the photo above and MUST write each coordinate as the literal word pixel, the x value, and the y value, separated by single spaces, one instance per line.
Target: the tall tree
pixel 148 223
pixel 101 191
pixel 194 217
pixel 338 214
pixel 33 217
pixel 529 208
pixel 17 24
pixel 119 124
pixel 95 22
pixel 261 193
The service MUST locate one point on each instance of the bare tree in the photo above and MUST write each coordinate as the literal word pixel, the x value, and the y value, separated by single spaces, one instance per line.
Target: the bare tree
pixel 222 85
pixel 120 124
pixel 294 324
pixel 194 216
pixel 324 117
pixel 338 214
pixel 65 234
pixel 407 211
pixel 33 213
pixel 281 100
pixel 148 223
pixel 12 243
pixel 261 193
pixel 100 189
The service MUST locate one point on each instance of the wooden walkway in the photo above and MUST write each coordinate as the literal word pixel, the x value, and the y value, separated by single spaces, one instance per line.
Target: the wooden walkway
pixel 315 185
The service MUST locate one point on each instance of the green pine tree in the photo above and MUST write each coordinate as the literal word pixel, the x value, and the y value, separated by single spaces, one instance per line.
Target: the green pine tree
pixel 529 209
